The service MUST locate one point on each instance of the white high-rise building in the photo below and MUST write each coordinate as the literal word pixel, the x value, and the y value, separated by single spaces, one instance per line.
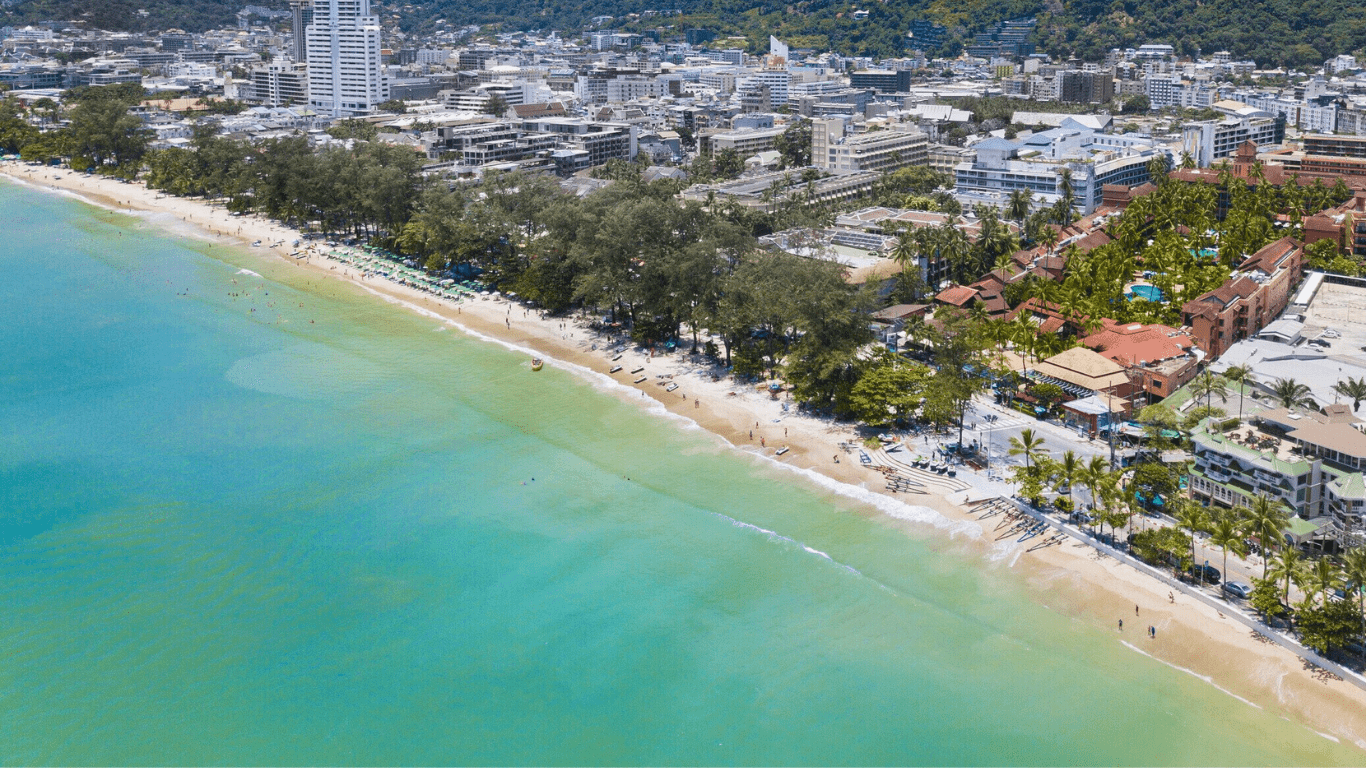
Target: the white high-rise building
pixel 345 74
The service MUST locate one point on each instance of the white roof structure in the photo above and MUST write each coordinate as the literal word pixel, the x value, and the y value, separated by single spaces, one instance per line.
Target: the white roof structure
pixel 1272 360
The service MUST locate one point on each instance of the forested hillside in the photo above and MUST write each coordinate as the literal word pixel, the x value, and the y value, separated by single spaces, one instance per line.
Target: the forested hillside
pixel 193 15
pixel 1272 32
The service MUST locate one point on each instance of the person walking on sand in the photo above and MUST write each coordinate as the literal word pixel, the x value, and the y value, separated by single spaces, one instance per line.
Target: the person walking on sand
pixel 1121 625
pixel 1135 609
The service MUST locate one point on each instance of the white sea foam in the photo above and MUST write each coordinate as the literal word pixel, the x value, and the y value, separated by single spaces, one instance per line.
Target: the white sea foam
pixel 1192 673
pixel 247 272
pixel 775 536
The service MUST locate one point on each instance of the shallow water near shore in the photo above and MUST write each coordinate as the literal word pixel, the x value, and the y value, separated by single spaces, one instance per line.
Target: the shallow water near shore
pixel 240 537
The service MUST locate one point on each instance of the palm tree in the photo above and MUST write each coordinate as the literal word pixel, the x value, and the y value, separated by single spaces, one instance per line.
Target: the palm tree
pixel 1065 190
pixel 1003 262
pixel 1325 577
pixel 1028 445
pixel 1227 534
pixel 1354 572
pixel 1207 385
pixel 1289 566
pixel 1017 207
pixel 1095 475
pixel 1267 520
pixel 1067 470
pixel 1192 518
pixel 1238 375
pixel 1049 238
pixel 1291 394
pixel 1352 389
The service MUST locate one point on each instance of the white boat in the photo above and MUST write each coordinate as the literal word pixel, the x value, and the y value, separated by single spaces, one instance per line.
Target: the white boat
pixel 671 387
pixel 615 368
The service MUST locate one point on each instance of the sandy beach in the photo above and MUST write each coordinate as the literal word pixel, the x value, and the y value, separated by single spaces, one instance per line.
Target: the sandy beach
pixel 1071 577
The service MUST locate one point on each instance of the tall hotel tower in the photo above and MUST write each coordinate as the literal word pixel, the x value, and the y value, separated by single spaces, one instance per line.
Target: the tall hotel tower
pixel 345 76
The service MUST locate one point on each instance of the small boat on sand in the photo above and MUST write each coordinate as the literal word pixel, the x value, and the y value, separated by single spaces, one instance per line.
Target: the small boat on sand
pixel 672 386
pixel 536 363
pixel 616 357
pixel 615 368
pixel 781 451
pixel 642 378
pixel 638 370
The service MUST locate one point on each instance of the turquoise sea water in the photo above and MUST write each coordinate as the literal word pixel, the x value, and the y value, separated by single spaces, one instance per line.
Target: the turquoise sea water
pixel 242 537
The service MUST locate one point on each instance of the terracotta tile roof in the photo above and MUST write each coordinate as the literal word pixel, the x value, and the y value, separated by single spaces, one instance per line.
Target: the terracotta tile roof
pixel 1129 343
pixel 957 295
pixel 1271 256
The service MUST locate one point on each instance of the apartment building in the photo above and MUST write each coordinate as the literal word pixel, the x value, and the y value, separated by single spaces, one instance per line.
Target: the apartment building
pixel 1212 140
pixel 747 142
pixel 1036 164
pixel 1232 470
pixel 1248 301
pixel 881 151
pixel 881 80
pixel 1311 462
pixel 1344 225
pixel 345 74
pixel 279 84
pixel 1077 87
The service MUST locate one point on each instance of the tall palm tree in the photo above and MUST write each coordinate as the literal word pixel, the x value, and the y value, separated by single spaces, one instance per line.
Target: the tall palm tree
pixel 1018 205
pixel 1065 189
pixel 1048 237
pixel 1192 518
pixel 1095 475
pixel 1238 375
pixel 1352 389
pixel 1267 520
pixel 1292 394
pixel 1227 534
pixel 1207 385
pixel 1325 576
pixel 1067 470
pixel 1003 262
pixel 1290 566
pixel 1354 572
pixel 1028 445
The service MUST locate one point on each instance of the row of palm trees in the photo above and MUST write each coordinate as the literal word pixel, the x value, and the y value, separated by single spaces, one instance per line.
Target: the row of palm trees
pixel 1265 520
pixel 1287 392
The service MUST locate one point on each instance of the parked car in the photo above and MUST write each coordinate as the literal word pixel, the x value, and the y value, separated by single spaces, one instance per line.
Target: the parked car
pixel 1205 573
pixel 1238 589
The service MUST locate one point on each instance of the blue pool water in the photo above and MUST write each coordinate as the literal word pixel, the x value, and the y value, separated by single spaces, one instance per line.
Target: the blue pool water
pixel 1148 292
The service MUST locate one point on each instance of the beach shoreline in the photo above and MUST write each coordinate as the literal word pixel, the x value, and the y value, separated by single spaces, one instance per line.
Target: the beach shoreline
pixel 1072 578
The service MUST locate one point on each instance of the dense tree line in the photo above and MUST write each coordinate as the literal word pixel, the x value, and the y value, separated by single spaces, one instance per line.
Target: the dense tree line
pixel 100 133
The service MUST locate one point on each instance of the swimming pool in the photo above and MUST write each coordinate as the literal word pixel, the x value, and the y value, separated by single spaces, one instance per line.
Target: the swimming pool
pixel 1148 292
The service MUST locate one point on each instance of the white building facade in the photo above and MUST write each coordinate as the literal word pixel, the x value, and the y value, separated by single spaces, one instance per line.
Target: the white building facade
pixel 345 74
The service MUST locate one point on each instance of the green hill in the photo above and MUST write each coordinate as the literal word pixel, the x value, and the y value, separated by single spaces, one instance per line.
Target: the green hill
pixel 1292 33
pixel 123 15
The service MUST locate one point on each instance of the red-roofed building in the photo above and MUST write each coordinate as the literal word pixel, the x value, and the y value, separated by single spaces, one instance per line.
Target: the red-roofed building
pixel 960 296
pixel 1164 356
pixel 1242 306
pixel 1344 225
